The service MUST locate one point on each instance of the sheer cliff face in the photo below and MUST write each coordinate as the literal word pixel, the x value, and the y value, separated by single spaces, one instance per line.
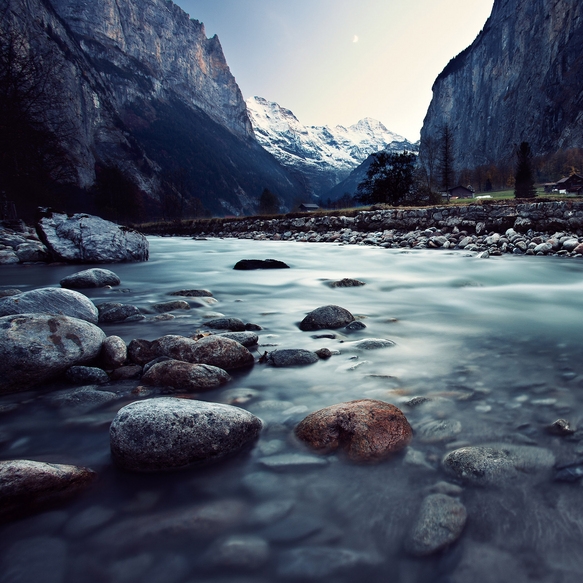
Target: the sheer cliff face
pixel 143 89
pixel 170 54
pixel 521 80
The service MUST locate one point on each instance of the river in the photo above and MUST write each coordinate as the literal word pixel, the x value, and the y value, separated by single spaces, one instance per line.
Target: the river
pixel 493 344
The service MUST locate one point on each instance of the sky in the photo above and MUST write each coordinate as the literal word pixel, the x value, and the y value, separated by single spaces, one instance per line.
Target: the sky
pixel 338 61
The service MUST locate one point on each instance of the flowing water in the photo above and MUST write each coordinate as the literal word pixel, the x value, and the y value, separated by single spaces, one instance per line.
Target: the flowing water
pixel 493 344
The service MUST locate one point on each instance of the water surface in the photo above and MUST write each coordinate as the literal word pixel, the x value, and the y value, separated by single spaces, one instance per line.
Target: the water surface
pixel 495 344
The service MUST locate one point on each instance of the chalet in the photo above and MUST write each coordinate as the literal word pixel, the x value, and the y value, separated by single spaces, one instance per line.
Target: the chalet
pixel 307 207
pixel 460 192
pixel 572 184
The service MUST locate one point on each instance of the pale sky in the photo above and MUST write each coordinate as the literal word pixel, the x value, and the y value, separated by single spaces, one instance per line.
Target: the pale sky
pixel 337 61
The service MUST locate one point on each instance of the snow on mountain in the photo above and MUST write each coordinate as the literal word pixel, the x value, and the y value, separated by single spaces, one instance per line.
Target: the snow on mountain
pixel 321 154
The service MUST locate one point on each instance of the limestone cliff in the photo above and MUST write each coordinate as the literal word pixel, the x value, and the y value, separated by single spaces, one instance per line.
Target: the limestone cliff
pixel 143 89
pixel 520 80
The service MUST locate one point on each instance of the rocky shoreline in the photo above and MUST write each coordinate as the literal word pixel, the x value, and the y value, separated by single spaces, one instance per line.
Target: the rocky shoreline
pixel 542 228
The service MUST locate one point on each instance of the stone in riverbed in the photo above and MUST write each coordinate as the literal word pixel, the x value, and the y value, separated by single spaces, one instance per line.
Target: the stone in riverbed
pixel 83 375
pixel 111 312
pixel 248 264
pixel 366 430
pixel 185 376
pixel 346 282
pixel 82 238
pixel 37 347
pixel 169 433
pixel 32 252
pixel 50 300
pixel 497 464
pixel 439 523
pixel 171 306
pixel 292 357
pixel 114 352
pixel 193 293
pixel 247 339
pixel 326 317
pixel 220 351
pixel 241 552
pixel 231 324
pixel 29 486
pixel 90 278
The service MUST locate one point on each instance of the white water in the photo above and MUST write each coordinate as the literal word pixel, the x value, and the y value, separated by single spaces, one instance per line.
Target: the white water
pixel 496 342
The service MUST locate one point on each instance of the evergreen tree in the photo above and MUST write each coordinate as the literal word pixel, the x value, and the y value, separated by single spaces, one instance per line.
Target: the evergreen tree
pixel 389 179
pixel 268 203
pixel 445 161
pixel 524 180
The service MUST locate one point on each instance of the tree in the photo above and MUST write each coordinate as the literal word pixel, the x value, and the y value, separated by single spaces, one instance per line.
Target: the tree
pixel 524 181
pixel 389 179
pixel 268 203
pixel 428 160
pixel 445 160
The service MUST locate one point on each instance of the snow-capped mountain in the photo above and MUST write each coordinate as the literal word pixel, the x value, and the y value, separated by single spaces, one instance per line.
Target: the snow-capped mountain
pixel 323 155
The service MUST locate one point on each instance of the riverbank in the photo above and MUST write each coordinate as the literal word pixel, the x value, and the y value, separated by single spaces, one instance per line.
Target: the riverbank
pixel 542 228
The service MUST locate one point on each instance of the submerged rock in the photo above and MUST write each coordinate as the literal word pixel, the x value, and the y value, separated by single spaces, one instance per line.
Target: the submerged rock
pixel 29 486
pixel 497 464
pixel 241 552
pixel 114 312
pixel 193 293
pixel 326 317
pixel 169 433
pixel 439 523
pixel 50 300
pixel 292 357
pixel 346 282
pixel 90 278
pixel 38 347
pixel 82 238
pixel 247 339
pixel 366 430
pixel 87 375
pixel 231 324
pixel 171 306
pixel 185 376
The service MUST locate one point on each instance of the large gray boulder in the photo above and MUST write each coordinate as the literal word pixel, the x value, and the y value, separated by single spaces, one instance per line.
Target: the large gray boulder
pixel 27 486
pixel 170 433
pixel 85 238
pixel 88 278
pixel 37 347
pixel 51 300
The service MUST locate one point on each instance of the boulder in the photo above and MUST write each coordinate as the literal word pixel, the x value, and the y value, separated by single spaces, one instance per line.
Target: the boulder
pixel 113 312
pixel 326 317
pixel 439 523
pixel 90 278
pixel 232 324
pixel 292 357
pixel 85 238
pixel 249 264
pixel 37 347
pixel 32 252
pixel 185 376
pixel 29 486
pixel 247 339
pixel 497 464
pixel 87 375
pixel 346 282
pixel 50 300
pixel 169 433
pixel 114 352
pixel 366 430
pixel 222 352
pixel 170 306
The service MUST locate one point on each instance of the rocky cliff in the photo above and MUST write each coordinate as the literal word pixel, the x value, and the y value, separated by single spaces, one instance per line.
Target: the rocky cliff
pixel 520 80
pixel 143 89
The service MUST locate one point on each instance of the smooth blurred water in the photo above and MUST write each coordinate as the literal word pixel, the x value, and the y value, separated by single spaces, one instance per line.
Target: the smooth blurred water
pixel 495 343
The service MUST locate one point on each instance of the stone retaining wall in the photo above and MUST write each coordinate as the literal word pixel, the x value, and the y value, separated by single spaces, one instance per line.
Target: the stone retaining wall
pixel 547 217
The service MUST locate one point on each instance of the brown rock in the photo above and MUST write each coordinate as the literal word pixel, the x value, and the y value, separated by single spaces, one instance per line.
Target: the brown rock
pixel 29 486
pixel 114 352
pixel 185 376
pixel 222 352
pixel 366 430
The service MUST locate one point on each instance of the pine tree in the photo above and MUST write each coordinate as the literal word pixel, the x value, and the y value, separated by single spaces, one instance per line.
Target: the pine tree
pixel 524 181
pixel 445 161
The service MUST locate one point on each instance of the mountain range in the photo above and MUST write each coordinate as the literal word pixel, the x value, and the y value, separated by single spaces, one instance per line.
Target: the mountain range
pixel 323 155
